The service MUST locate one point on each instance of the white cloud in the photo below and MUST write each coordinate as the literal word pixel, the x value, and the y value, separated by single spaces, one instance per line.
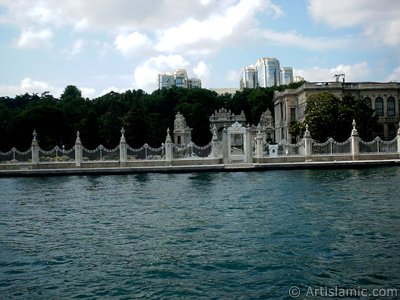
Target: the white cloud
pixel 395 75
pixel 132 44
pixel 31 38
pixel 145 75
pixel 211 31
pixel 31 86
pixel 356 72
pixel 76 48
pixel 28 85
pixel 88 92
pixel 292 38
pixel 202 70
pixel 380 20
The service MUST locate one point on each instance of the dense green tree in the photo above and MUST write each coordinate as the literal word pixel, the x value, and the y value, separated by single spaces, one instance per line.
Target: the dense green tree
pixel 144 116
pixel 330 116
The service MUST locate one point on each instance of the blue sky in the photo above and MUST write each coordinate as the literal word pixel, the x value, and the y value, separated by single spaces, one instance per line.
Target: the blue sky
pixel 104 45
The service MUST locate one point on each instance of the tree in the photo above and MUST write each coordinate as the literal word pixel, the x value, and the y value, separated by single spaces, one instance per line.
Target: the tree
pixel 322 115
pixel 329 116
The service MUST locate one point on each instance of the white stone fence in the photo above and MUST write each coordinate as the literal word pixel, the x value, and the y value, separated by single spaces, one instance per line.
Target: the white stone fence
pixel 354 146
pixel 122 153
pixel 218 151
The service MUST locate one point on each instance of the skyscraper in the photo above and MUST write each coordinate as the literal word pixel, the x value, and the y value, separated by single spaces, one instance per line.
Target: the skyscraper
pixel 248 78
pixel 286 75
pixel 265 73
pixel 268 72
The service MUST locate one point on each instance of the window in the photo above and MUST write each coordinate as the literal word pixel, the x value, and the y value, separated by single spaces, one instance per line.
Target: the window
pixel 391 107
pixel 292 113
pixel 368 101
pixel 379 106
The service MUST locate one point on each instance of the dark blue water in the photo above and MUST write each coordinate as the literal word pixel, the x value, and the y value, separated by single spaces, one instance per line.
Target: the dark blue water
pixel 199 236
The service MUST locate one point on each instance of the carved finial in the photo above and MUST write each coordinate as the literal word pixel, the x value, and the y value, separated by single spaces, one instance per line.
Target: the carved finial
pixel 168 138
pixel 215 135
pixel 34 135
pixel 78 139
pixel 122 131
pixel 354 131
pixel 307 133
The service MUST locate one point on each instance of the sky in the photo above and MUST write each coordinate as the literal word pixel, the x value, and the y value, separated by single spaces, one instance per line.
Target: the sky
pixel 115 45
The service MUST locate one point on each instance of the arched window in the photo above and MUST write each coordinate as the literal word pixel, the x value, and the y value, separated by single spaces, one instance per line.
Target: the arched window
pixel 379 106
pixel 391 107
pixel 368 101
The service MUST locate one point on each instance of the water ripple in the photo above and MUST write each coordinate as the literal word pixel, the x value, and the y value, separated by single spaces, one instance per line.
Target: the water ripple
pixel 200 235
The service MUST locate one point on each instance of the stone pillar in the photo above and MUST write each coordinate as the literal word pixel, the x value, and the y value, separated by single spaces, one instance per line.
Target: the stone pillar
pixel 214 143
pixel 354 142
pixel 398 140
pixel 307 143
pixel 78 150
pixel 35 149
pixel 169 150
pixel 249 145
pixel 259 145
pixel 225 150
pixel 123 148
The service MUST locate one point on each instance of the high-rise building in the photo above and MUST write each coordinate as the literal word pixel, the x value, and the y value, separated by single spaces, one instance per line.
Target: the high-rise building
pixel 268 72
pixel 265 73
pixel 179 79
pixel 248 78
pixel 286 75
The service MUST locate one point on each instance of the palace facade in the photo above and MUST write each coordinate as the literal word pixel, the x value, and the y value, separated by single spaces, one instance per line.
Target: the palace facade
pixel 290 104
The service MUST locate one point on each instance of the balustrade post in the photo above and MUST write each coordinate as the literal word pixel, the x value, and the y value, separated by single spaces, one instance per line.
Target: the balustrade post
pixel 123 148
pixel 225 157
pixel 169 149
pixel 249 145
pixel 398 140
pixel 355 147
pixel 214 143
pixel 35 149
pixel 78 150
pixel 259 145
pixel 307 143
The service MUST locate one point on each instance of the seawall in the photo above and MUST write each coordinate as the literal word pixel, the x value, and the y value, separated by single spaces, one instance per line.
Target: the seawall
pixel 67 169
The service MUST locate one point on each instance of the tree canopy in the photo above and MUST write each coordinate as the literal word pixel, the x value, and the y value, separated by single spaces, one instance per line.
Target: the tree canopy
pixel 330 116
pixel 145 117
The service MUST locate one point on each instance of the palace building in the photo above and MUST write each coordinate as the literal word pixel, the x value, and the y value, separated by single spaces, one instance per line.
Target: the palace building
pixel 290 104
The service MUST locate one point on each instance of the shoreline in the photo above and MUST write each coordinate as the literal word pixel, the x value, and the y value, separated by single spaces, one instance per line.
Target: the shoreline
pixel 234 167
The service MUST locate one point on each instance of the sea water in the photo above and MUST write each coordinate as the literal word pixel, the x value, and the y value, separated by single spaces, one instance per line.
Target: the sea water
pixel 255 235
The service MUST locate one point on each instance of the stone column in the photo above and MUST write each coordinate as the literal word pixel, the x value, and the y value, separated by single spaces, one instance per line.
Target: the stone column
pixel 35 149
pixel 354 142
pixel 225 157
pixel 123 148
pixel 169 150
pixel 398 140
pixel 78 150
pixel 307 143
pixel 214 143
pixel 259 145
pixel 249 145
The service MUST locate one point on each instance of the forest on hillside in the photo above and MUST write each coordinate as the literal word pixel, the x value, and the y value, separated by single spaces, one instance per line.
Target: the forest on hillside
pixel 145 117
